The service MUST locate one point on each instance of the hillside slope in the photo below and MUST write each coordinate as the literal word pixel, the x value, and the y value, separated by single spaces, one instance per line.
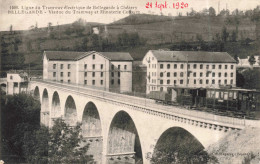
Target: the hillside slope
pixel 238 147
pixel 165 29
pixel 159 32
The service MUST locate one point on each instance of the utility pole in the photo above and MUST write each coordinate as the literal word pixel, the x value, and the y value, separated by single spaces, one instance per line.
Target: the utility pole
pixel 218 6
pixel 29 71
pixel 187 70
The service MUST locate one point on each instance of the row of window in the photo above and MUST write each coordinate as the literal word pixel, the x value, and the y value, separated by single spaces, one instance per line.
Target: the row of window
pixel 86 74
pixel 101 74
pixel 222 94
pixel 201 66
pixel 153 65
pixel 102 82
pixel 118 67
pixel 102 66
pixel 61 66
pixel 61 74
pixel 62 81
pixel 93 66
pixel 195 81
pixel 94 82
pixel 194 74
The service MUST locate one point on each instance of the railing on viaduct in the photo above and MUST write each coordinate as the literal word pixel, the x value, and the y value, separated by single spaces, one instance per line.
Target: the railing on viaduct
pixel 177 113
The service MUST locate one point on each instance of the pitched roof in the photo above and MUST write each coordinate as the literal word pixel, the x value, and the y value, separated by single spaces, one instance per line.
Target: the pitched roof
pixel 74 56
pixel 65 55
pixel 117 56
pixel 193 56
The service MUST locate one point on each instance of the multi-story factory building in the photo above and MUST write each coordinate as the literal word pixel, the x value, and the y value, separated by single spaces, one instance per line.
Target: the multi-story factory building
pixel 106 70
pixel 188 69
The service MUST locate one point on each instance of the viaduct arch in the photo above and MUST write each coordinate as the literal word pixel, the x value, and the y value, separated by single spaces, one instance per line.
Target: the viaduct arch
pixel 123 139
pixel 56 106
pixel 45 113
pixel 70 111
pixel 36 93
pixel 92 130
pixel 176 143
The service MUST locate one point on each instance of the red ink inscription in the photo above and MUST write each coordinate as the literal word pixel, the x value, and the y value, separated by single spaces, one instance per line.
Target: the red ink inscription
pixel 177 5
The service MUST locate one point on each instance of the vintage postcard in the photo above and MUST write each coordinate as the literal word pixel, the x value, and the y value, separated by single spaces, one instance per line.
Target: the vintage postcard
pixel 130 81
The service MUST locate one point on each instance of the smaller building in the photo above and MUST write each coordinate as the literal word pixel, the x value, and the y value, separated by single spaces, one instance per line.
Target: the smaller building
pixel 16 83
pixel 244 63
pixel 95 30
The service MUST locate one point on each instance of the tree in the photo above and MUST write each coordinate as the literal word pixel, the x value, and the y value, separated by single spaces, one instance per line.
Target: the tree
pixel 85 44
pixel 123 39
pixel 251 79
pixel 94 38
pixel 199 37
pixel 78 27
pixel 236 58
pixel 49 25
pixel 224 12
pixel 179 147
pixel 11 28
pixel 4 46
pixel 251 60
pixel 36 26
pixel 134 39
pixel 212 11
pixel 192 13
pixel 225 34
pixel 240 80
pixel 204 12
pixel 59 144
pixel 249 13
pixel 19 114
pixel 237 22
pixel 256 14
pixel 234 36
pixel 31 27
pixel 29 45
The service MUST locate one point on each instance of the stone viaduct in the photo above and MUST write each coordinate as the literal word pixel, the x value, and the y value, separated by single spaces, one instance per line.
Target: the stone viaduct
pixel 121 128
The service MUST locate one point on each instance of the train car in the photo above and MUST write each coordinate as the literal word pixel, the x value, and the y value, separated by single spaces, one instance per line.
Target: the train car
pixel 162 97
pixel 249 102
pixel 235 102
pixel 193 97
pixel 233 99
pixel 225 101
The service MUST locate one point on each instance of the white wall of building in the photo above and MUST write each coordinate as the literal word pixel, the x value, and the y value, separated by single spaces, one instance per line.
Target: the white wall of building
pixel 170 74
pixel 93 70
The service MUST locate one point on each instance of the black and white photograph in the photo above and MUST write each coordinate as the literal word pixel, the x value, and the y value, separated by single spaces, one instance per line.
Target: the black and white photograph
pixel 130 82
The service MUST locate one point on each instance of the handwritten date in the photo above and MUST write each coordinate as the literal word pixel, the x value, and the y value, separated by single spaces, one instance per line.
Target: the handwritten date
pixel 177 5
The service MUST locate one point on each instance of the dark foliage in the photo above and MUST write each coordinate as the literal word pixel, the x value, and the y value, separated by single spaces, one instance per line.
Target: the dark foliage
pixel 11 58
pixel 59 144
pixel 252 78
pixel 128 39
pixel 20 114
pixel 240 80
pixel 252 60
pixel 178 146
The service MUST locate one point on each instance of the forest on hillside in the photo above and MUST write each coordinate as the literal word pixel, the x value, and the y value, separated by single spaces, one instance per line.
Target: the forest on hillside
pixel 135 34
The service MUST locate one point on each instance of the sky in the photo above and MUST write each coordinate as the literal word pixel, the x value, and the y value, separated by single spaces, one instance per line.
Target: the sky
pixel 24 21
